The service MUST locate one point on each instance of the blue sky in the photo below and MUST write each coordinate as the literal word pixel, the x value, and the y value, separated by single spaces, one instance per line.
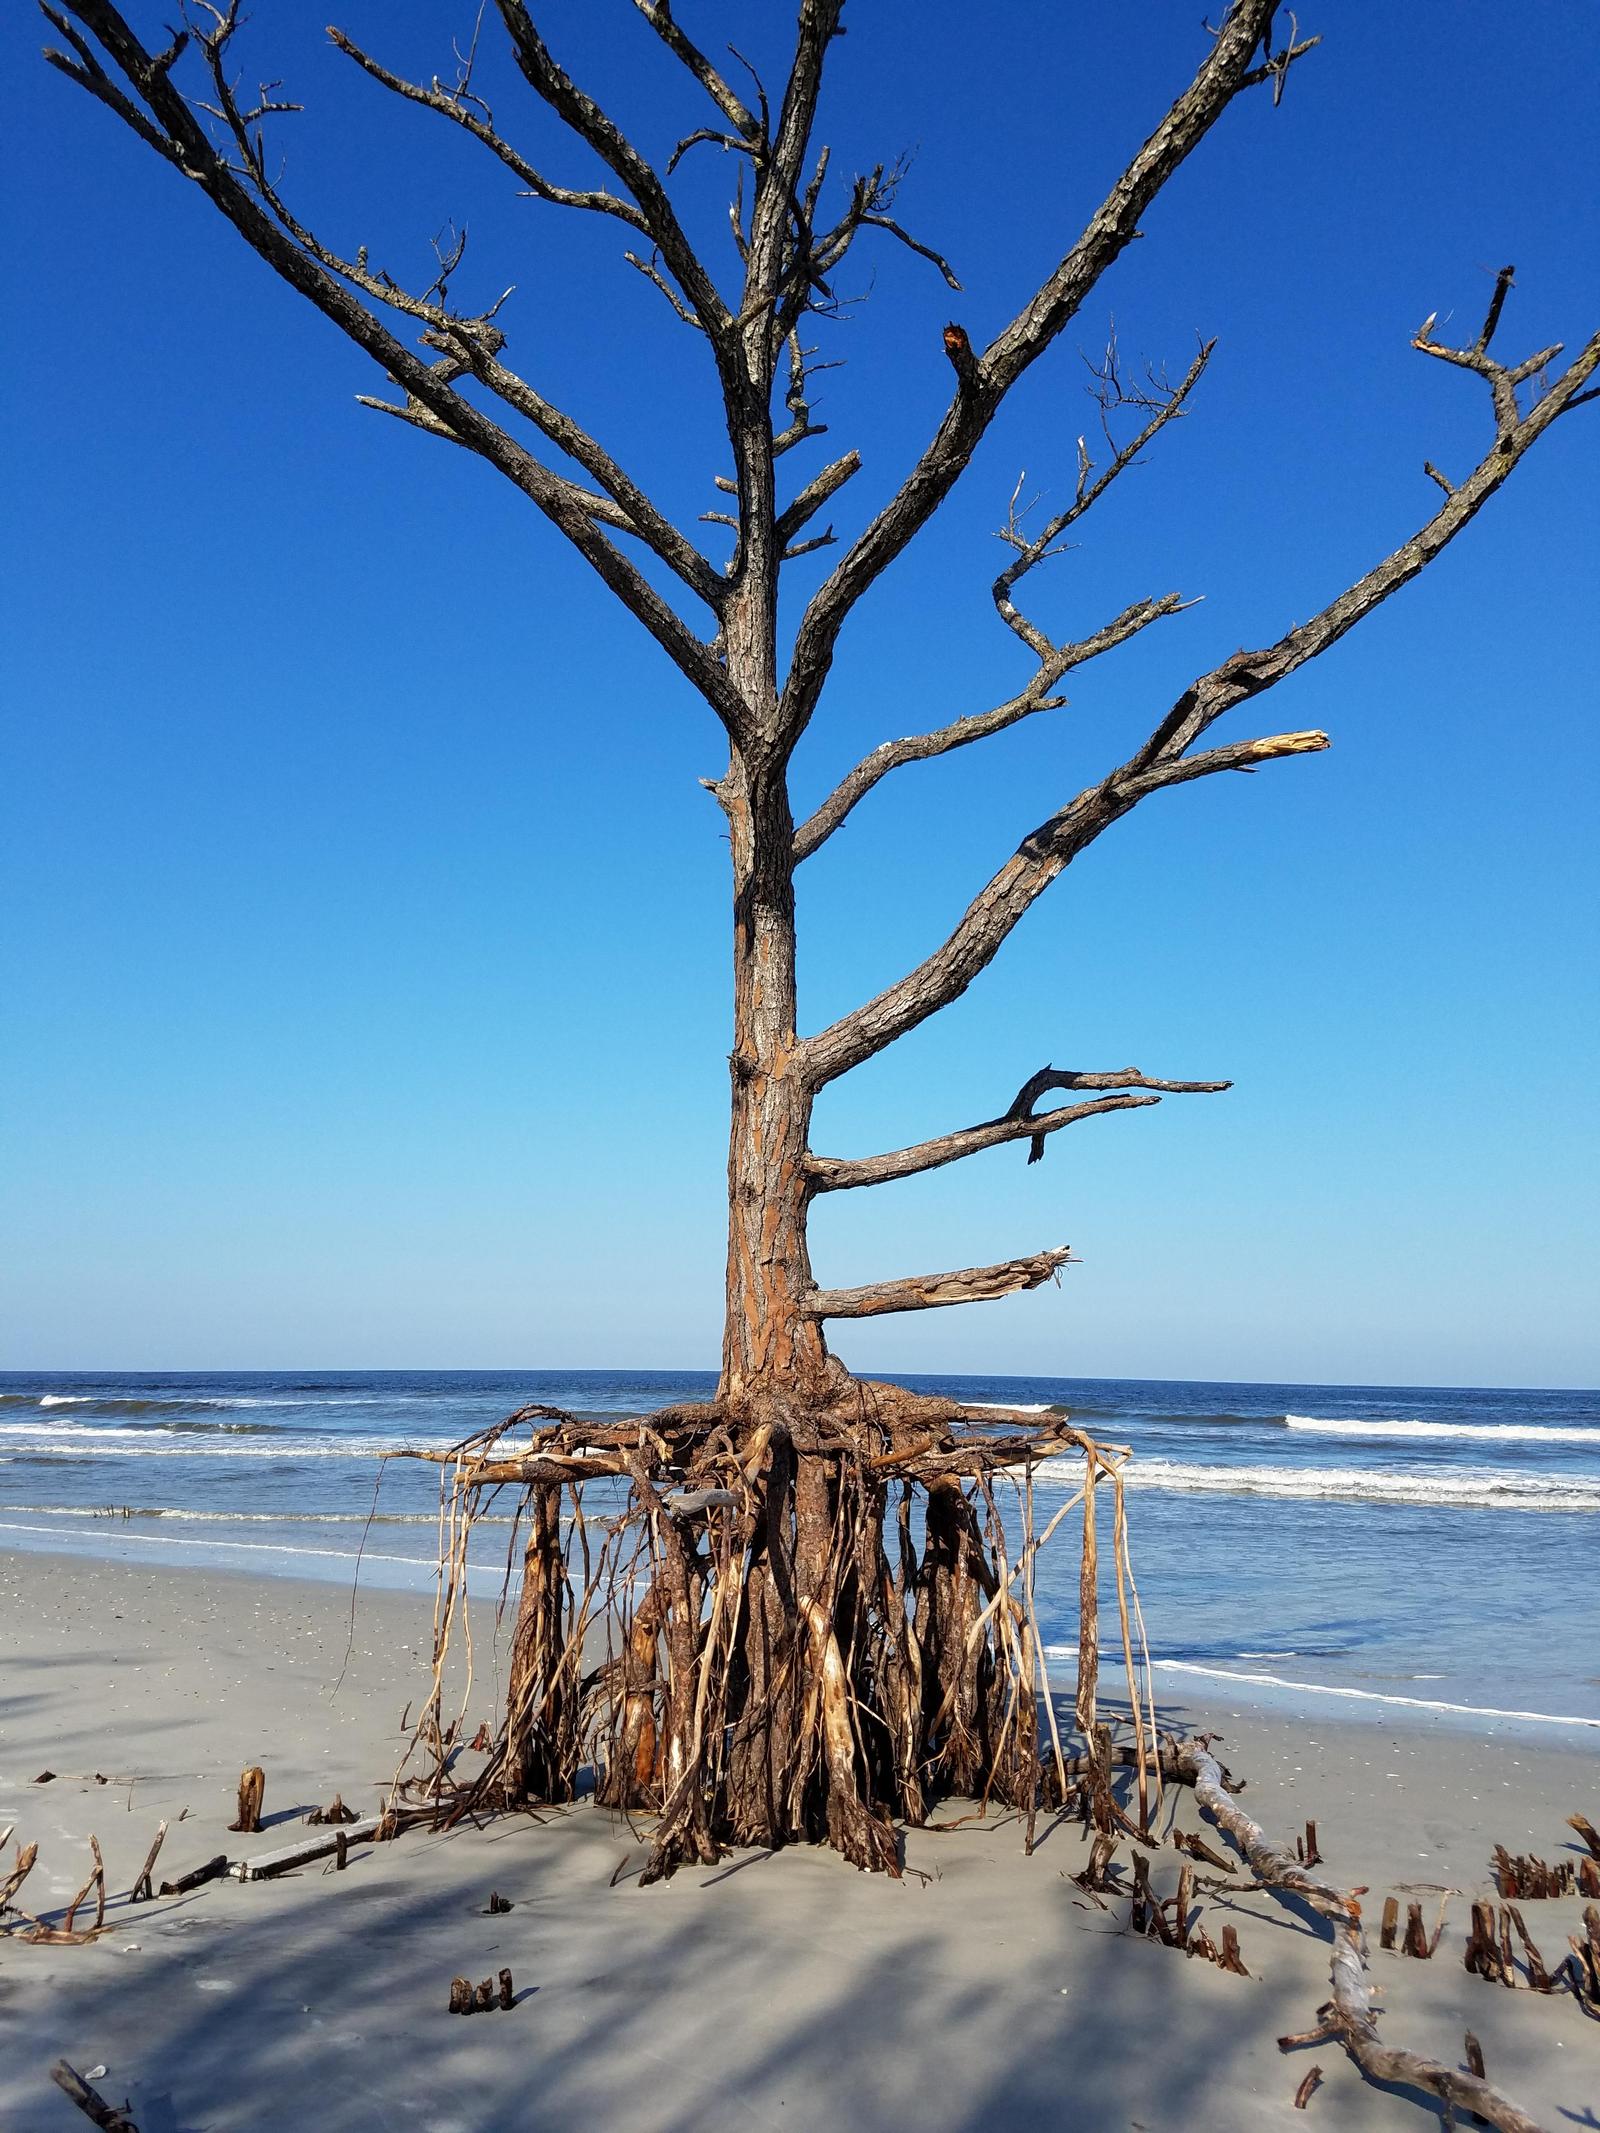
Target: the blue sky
pixel 366 963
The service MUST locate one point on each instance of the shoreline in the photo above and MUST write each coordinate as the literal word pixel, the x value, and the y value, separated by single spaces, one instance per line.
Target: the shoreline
pixel 1270 1692
pixel 984 1993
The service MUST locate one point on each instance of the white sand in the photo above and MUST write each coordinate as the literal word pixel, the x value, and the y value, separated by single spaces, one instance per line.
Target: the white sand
pixel 782 1991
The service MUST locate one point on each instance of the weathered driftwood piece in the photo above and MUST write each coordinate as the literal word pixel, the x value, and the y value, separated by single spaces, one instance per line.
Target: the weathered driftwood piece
pixel 266 1864
pixel 497 1903
pixel 1391 1919
pixel 1306 1849
pixel 1587 1831
pixel 460 1995
pixel 252 1791
pixel 1589 1877
pixel 1351 2007
pixel 1488 1950
pixel 1416 1942
pixel 142 1892
pixel 508 1994
pixel 1308 2088
pixel 1538 1976
pixel 90 2102
pixel 1197 1848
pixel 197 1876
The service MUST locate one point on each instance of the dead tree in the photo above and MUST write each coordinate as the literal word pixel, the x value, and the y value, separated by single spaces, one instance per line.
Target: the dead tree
pixel 790 1665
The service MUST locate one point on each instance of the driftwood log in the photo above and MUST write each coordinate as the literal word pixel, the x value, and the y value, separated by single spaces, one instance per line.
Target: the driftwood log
pixel 1349 2016
pixel 252 1792
pixel 89 2101
pixel 304 1849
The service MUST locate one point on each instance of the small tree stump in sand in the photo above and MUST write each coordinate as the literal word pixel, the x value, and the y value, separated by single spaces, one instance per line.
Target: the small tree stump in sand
pixel 252 1791
pixel 1391 1920
pixel 496 1904
pixel 460 1995
pixel 508 1996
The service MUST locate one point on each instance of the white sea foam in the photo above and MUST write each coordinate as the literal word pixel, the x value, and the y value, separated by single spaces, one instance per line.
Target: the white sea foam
pixel 1451 1432
pixel 174 1540
pixel 49 1444
pixel 1471 1488
pixel 68 1399
pixel 112 1517
pixel 1017 1407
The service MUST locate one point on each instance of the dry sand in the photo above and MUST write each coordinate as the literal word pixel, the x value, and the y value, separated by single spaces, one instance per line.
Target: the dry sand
pixel 774 1991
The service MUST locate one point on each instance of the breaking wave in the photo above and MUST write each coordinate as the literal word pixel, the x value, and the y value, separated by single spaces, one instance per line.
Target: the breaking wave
pixel 1451 1432
pixel 1471 1488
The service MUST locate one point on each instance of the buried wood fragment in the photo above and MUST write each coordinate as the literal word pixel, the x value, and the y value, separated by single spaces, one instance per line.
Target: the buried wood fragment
pixel 69 1934
pixel 1589 1877
pixel 1587 1831
pixel 1584 1962
pixel 460 1995
pixel 1230 1958
pixel 1305 1847
pixel 1308 2088
pixel 1416 1940
pixel 1488 1952
pixel 304 1850
pixel 26 1855
pixel 1538 1976
pixel 508 1996
pixel 142 1892
pixel 496 1903
pixel 483 1997
pixel 335 1812
pixel 1391 1917
pixel 1528 1879
pixel 90 2102
pixel 1351 2006
pixel 1197 1848
pixel 196 1877
pixel 252 1791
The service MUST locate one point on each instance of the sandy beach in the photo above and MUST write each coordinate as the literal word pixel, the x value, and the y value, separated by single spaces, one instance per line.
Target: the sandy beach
pixel 983 1991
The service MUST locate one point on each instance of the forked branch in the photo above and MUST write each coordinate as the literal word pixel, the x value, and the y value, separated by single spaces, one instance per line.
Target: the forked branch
pixel 1017 1123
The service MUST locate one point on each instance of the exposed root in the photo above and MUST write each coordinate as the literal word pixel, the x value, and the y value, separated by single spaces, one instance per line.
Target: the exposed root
pixel 738 1622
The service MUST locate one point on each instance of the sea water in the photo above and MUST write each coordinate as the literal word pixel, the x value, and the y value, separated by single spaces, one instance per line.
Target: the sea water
pixel 1382 1546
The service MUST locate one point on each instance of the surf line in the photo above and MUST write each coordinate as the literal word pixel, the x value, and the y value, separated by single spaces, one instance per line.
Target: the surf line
pixel 1320 1688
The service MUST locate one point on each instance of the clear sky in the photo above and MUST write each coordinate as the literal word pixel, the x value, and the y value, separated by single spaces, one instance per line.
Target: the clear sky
pixel 366 959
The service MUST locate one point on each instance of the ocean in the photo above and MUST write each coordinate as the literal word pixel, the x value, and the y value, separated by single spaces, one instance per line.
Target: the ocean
pixel 1356 1547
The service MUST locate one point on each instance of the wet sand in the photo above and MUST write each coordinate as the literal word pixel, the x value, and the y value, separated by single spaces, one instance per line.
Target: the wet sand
pixel 985 1991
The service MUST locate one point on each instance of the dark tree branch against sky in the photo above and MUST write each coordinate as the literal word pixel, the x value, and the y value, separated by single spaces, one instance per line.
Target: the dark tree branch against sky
pixel 769 374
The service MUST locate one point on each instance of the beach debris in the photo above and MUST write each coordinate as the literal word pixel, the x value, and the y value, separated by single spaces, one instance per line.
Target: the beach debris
pixel 1488 1952
pixel 26 1855
pixel 1538 1976
pixel 496 1903
pixel 45 1777
pixel 142 1892
pixel 1197 1848
pixel 467 1998
pixel 341 1850
pixel 266 1864
pixel 1587 1831
pixel 1305 1847
pixel 1530 1879
pixel 1391 1919
pixel 1349 2013
pixel 69 1934
pixel 89 2101
pixel 1417 1941
pixel 482 1741
pixel 1584 1962
pixel 1308 2088
pixel 1095 1876
pixel 252 1791
pixel 196 1877
pixel 335 1812
pixel 1589 1877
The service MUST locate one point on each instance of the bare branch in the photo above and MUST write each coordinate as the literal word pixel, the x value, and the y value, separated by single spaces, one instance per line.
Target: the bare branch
pixel 658 13
pixel 933 1292
pixel 299 260
pixel 1017 1123
pixel 653 274
pixel 454 107
pixel 814 495
pixel 919 748
pixel 1166 404
pixel 583 115
pixel 980 392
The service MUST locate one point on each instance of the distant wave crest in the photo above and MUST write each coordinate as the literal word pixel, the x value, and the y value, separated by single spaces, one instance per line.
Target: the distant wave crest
pixel 1471 1488
pixel 1450 1432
